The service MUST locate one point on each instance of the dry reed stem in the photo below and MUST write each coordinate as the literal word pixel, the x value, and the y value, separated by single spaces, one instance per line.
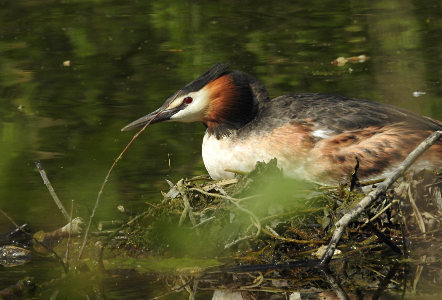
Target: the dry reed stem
pixel 69 237
pixel 417 214
pixel 100 192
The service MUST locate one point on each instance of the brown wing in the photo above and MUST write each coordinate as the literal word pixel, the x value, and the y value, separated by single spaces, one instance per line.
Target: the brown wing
pixel 337 113
pixel 332 159
pixel 379 150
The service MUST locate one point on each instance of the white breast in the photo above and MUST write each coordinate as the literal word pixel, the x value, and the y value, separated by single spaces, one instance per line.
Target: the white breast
pixel 231 153
pixel 221 155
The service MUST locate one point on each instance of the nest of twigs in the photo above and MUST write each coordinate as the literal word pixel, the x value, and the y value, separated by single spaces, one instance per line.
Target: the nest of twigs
pixel 282 218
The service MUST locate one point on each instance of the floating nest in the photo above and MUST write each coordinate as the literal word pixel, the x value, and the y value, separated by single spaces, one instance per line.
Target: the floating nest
pixel 267 234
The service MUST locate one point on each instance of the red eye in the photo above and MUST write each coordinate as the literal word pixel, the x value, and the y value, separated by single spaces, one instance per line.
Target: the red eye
pixel 188 100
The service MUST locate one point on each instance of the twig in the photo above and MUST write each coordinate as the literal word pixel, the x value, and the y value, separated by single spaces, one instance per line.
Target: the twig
pixel 381 188
pixel 403 232
pixel 300 211
pixel 256 282
pixel 385 282
pixel 253 217
pixel 226 246
pixel 187 207
pixel 116 231
pixel 203 222
pixel 183 214
pixel 51 190
pixel 97 201
pixel 382 275
pixel 199 177
pixel 383 238
pixel 104 225
pixel 334 284
pixel 235 201
pixel 69 236
pixel 222 196
pixel 173 290
pixel 419 270
pixel 236 172
pixel 417 214
pixel 10 219
pixel 270 232
pixel 195 287
pixel 187 287
pixel 383 210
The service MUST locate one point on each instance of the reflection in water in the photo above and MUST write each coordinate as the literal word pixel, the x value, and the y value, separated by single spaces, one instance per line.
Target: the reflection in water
pixel 334 284
pixel 125 58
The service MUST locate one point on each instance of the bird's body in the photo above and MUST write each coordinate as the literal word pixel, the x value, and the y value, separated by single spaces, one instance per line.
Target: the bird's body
pixel 318 136
pixel 313 136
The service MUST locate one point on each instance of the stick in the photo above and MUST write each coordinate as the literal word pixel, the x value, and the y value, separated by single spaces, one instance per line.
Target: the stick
pixel 187 207
pixel 97 201
pixel 275 235
pixel 381 188
pixel 69 236
pixel 52 191
pixel 417 214
pixel 334 284
pixel 10 219
pixel 384 283
pixel 383 238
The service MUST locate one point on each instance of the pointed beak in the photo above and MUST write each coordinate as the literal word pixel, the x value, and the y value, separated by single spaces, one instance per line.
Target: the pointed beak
pixel 160 115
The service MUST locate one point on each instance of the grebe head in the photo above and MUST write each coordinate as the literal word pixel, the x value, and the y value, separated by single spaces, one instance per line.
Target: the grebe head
pixel 222 100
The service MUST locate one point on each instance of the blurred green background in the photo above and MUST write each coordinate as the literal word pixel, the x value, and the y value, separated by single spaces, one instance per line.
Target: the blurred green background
pixel 74 72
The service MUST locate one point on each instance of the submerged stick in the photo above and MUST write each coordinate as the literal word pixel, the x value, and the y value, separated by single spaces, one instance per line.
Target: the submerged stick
pixel 417 214
pixel 381 188
pixel 52 191
pixel 334 284
pixel 68 243
pixel 383 238
pixel 97 201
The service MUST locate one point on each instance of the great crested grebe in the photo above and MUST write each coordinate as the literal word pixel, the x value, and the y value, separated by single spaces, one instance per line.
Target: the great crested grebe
pixel 314 136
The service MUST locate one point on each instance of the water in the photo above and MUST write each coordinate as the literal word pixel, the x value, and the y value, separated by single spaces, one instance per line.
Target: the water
pixel 73 73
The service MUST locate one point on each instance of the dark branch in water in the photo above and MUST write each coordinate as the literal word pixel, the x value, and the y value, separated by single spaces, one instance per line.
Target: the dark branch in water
pixel 334 284
pixel 37 241
pixel 383 285
pixel 52 191
pixel 381 189
pixel 382 237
